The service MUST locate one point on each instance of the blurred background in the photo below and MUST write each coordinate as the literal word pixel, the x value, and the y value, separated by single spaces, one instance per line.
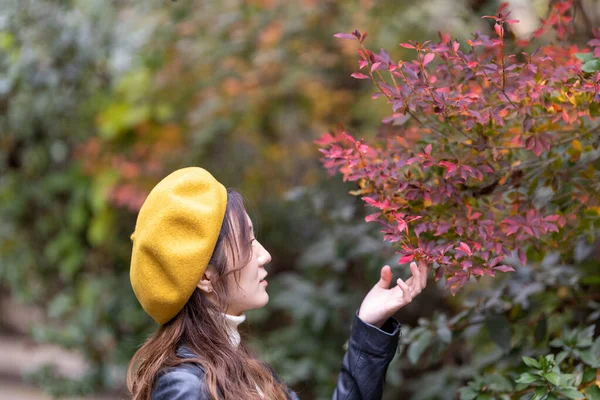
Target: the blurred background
pixel 101 99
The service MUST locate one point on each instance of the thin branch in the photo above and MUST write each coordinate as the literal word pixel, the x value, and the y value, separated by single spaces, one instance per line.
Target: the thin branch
pixel 579 135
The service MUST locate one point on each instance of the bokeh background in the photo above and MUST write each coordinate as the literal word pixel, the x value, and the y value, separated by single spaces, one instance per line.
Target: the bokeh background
pixel 101 99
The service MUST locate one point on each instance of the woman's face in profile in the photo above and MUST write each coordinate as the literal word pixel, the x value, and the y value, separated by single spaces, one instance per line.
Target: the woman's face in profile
pixel 250 292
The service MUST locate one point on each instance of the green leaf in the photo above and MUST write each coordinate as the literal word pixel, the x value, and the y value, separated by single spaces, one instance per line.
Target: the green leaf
pixel 561 356
pixel 589 374
pixel 585 336
pixel 498 383
pixel 596 347
pixel 527 378
pixel 458 317
pixel 592 393
pixel 585 57
pixel 590 358
pixel 466 393
pixel 591 66
pixel 498 328
pixel 571 394
pixel 530 362
pixel 445 334
pixel 540 393
pixel 417 347
pixel 553 378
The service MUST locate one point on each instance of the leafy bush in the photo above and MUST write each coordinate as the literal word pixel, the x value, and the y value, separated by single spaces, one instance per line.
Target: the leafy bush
pixel 514 159
pixel 101 99
pixel 489 163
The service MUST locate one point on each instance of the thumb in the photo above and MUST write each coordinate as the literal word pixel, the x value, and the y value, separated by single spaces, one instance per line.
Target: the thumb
pixel 386 277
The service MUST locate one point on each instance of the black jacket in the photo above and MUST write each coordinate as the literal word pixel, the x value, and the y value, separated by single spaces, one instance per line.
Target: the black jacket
pixel 370 351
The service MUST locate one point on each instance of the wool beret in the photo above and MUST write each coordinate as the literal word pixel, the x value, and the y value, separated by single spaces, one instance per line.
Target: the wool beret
pixel 174 238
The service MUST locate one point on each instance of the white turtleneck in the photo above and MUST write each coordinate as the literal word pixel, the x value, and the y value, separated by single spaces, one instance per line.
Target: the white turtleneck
pixel 233 321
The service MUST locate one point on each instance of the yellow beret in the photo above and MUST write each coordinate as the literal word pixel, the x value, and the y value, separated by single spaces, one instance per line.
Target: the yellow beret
pixel 175 235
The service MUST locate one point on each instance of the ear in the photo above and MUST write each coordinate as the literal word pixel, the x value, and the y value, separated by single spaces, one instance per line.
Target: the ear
pixel 205 283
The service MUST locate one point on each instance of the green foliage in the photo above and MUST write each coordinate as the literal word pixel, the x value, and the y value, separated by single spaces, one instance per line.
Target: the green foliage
pixel 58 246
pixel 591 64
pixel 101 99
pixel 544 379
pixel 432 217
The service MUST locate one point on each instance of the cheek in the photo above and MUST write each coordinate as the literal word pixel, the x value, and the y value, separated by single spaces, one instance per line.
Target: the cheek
pixel 249 275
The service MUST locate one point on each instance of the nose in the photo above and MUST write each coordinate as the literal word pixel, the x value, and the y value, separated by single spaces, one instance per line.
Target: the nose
pixel 264 257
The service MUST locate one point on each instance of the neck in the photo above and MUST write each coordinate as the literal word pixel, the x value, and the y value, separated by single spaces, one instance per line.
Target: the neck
pixel 233 321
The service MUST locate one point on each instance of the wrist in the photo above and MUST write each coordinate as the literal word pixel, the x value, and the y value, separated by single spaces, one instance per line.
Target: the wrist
pixel 376 323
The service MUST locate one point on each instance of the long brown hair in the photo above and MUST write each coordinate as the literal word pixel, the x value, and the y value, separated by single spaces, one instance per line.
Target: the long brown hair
pixel 231 372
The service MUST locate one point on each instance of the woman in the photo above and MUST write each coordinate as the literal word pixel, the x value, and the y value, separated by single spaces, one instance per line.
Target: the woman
pixel 196 268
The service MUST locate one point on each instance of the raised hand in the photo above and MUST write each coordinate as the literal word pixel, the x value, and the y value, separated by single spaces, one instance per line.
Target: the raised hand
pixel 382 302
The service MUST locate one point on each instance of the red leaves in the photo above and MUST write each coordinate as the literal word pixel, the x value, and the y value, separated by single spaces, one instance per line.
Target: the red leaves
pixel 465 248
pixel 442 228
pixel 406 258
pixel 356 35
pixel 501 19
pixel 376 66
pixel 428 58
pixel 384 205
pixel 450 166
pixel 372 217
pixel 504 268
pixel 499 29
pixel 537 144
pixel 558 20
pixel 345 36
pixel 424 158
pixel 358 75
pixel 470 142
pixel 533 225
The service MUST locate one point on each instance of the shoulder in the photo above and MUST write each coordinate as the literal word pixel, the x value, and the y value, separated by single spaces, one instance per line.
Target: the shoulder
pixel 183 382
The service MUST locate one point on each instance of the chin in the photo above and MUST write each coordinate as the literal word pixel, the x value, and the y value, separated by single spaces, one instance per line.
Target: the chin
pixel 263 301
pixel 266 300
pixel 257 303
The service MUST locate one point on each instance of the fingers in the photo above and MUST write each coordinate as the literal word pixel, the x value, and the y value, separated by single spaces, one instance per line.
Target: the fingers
pixel 420 275
pixel 416 273
pixel 386 277
pixel 419 279
pixel 423 269
pixel 413 285
pixel 407 295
